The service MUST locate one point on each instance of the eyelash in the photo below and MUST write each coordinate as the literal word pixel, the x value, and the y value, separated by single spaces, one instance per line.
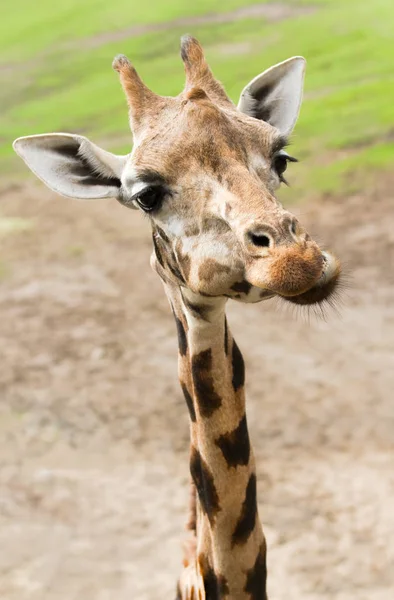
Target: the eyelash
pixel 283 158
pixel 150 198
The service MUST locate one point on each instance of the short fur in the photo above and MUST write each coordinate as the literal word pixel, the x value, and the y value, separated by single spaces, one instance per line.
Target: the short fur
pixel 206 173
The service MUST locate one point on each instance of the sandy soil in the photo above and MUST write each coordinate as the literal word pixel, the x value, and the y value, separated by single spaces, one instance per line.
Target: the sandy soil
pixel 93 429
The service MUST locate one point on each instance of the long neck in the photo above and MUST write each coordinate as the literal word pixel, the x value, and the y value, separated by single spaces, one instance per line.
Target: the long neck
pixel 229 557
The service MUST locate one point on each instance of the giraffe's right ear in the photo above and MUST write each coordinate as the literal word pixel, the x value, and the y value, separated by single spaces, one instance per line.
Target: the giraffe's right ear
pixel 72 165
pixel 275 96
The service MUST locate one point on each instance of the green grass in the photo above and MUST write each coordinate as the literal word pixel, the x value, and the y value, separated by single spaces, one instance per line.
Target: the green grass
pixel 9 225
pixel 57 76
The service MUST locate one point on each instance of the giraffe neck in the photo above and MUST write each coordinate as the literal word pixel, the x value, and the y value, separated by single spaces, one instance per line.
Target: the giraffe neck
pixel 228 560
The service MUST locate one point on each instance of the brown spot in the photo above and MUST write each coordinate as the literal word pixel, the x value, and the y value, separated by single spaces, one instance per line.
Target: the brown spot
pixel 191 230
pixel 183 260
pixel 256 577
pixel 173 268
pixel 238 368
pixel 247 518
pixel 199 311
pixel 218 225
pixel 157 251
pixel 216 586
pixel 206 295
pixel 242 287
pixel 207 398
pixel 225 336
pixel 182 338
pixel 186 264
pixel 235 445
pixel 189 402
pixel 205 485
pixel 210 267
pixel 163 235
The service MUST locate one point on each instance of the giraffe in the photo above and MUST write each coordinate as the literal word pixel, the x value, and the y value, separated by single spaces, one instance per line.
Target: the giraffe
pixel 205 173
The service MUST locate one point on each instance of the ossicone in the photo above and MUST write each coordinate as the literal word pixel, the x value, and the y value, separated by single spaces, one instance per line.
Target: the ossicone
pixel 198 73
pixel 139 97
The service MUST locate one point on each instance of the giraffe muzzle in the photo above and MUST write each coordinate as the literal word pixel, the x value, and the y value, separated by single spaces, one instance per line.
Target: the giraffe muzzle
pixel 325 287
pixel 302 275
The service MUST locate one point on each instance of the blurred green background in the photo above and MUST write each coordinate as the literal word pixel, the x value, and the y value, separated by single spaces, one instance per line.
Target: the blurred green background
pixel 57 76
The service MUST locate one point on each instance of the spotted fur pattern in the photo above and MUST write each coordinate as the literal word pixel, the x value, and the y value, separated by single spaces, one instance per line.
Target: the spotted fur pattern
pixel 219 233
pixel 221 459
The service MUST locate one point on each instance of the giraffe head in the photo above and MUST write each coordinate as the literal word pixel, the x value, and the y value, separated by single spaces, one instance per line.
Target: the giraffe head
pixel 205 173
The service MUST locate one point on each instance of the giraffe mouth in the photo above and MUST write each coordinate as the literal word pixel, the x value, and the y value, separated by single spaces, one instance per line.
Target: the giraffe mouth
pixel 324 288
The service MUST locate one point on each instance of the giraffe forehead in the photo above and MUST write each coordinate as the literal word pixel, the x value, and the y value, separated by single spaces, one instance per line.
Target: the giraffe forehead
pixel 201 137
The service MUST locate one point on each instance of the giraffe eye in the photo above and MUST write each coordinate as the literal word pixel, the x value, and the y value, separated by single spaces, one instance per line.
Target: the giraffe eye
pixel 279 164
pixel 150 198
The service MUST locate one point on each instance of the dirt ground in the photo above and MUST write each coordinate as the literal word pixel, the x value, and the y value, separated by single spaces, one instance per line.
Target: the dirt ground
pixel 93 428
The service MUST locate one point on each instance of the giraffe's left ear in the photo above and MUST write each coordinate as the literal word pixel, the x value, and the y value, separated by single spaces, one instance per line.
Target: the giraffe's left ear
pixel 275 95
pixel 72 165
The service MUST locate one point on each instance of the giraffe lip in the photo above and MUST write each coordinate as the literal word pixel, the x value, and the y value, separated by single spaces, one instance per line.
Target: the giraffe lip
pixel 330 269
pixel 324 288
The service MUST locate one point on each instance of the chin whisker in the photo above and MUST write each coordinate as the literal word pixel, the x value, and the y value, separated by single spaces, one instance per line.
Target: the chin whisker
pixel 321 303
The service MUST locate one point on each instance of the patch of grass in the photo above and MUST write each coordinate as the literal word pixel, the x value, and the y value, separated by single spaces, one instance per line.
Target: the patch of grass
pixel 56 79
pixel 76 251
pixel 45 25
pixel 348 172
pixel 10 225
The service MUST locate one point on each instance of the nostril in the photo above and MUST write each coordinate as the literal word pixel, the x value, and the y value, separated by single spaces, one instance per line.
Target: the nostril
pixel 261 240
